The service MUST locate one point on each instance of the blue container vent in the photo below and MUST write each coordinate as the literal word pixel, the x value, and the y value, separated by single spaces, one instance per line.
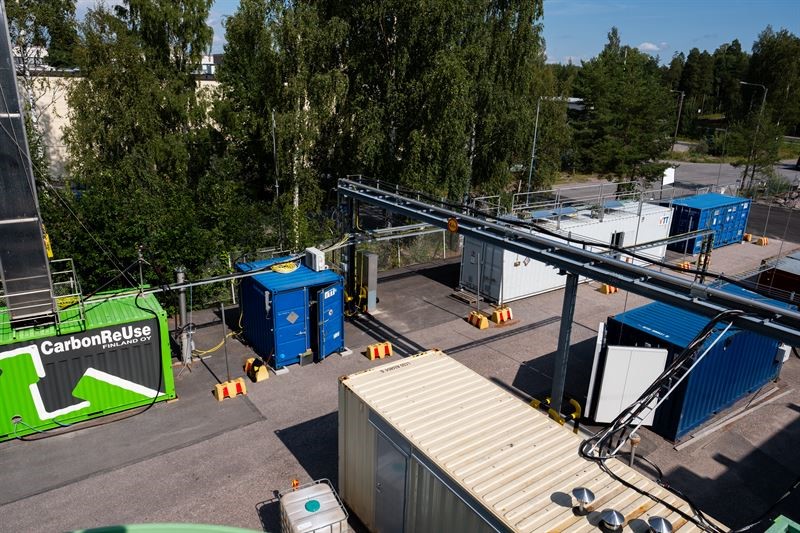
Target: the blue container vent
pixel 287 315
pixel 725 215
pixel 740 363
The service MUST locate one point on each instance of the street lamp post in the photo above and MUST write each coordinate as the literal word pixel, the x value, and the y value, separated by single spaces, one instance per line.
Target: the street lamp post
pixel 536 134
pixel 533 150
pixel 755 135
pixel 724 144
pixel 678 121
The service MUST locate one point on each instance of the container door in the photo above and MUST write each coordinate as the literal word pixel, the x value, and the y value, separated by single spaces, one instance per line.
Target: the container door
pixel 390 486
pixel 289 321
pixel 628 372
pixel 331 319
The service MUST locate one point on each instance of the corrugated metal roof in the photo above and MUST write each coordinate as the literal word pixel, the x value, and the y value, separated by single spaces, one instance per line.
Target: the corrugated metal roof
pixel 276 281
pixel 678 326
pixel 100 312
pixel 518 463
pixel 709 200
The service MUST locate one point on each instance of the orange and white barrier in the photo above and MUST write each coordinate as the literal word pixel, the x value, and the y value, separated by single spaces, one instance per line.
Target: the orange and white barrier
pixel 501 314
pixel 478 320
pixel 605 288
pixel 229 389
pixel 379 350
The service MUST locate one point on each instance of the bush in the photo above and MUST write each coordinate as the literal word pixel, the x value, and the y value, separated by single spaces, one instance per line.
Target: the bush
pixel 701 148
pixel 777 184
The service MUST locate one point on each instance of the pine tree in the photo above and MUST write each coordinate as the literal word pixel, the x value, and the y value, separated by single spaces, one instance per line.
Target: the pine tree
pixel 626 124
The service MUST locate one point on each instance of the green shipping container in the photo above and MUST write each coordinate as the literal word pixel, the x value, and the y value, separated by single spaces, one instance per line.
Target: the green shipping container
pixel 115 357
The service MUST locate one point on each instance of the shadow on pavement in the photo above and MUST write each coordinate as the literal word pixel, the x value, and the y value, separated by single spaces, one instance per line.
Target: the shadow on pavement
pixel 380 332
pixel 763 475
pixel 447 274
pixel 315 445
pixel 110 443
pixel 500 336
pixel 534 377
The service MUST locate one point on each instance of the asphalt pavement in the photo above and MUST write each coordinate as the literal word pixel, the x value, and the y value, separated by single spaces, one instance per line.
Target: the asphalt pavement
pixel 774 222
pixel 711 174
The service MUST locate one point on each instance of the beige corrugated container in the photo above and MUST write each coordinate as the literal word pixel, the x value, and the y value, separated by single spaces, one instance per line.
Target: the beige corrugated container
pixel 428 445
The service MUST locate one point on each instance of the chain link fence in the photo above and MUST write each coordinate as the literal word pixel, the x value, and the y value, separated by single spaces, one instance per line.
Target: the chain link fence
pixel 409 251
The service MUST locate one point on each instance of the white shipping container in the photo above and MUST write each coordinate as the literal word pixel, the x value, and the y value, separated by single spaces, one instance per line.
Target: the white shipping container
pixel 502 276
pixel 426 444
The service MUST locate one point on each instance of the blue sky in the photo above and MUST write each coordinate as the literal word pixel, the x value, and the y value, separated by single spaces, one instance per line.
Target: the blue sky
pixel 577 29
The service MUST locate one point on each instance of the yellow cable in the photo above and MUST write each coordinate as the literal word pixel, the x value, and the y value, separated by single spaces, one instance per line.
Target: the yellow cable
pixel 285 268
pixel 215 348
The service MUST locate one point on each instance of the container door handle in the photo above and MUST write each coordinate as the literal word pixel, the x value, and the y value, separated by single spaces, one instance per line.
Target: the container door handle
pixel 378 487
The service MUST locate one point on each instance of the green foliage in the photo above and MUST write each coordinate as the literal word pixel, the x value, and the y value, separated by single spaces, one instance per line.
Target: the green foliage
pixel 440 96
pixel 141 153
pixel 776 64
pixel 673 73
pixel 49 24
pixel 440 92
pixel 284 63
pixel 730 66
pixel 755 142
pixel 627 121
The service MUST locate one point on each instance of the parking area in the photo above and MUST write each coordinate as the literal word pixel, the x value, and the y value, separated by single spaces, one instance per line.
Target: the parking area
pixel 202 461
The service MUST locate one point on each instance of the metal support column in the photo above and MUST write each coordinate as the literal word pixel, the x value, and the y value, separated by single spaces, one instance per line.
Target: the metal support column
pixel 704 260
pixel 564 334
pixel 186 349
pixel 352 225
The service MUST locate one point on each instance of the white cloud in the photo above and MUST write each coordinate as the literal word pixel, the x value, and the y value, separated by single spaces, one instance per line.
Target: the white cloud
pixel 649 47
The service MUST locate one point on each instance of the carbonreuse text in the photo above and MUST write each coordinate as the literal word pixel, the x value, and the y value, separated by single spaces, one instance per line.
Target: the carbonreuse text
pixel 105 338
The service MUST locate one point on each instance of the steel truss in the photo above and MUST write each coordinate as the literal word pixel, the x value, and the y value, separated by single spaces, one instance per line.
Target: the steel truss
pixel 697 297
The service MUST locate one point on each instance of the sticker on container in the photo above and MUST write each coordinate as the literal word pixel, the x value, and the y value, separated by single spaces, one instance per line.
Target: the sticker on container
pixel 292 317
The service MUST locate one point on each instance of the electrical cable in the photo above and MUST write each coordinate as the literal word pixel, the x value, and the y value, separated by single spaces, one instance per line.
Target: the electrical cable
pixel 100 288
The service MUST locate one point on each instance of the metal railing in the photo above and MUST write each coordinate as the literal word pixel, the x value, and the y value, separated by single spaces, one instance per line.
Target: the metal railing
pixel 67 302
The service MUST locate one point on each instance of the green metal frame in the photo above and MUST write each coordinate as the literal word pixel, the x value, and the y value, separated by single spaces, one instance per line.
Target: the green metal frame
pixel 784 525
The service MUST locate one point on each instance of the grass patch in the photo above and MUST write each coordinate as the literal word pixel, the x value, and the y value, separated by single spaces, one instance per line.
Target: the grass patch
pixel 566 177
pixel 789 150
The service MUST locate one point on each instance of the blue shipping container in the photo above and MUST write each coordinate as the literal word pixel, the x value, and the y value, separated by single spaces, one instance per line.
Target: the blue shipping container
pixel 739 363
pixel 725 215
pixel 284 315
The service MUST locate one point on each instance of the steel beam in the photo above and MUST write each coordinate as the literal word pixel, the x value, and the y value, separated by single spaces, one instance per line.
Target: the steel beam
pixel 762 317
pixel 564 334
pixel 668 240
